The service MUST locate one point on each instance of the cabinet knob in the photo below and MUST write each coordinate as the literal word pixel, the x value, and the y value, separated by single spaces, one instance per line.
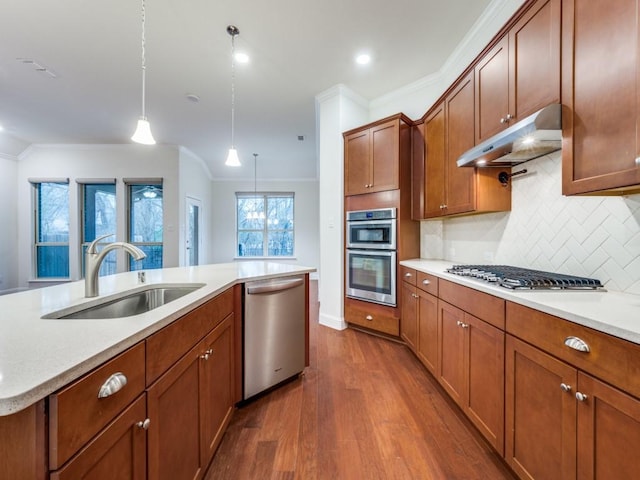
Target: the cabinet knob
pixel 426 282
pixel 368 317
pixel 503 120
pixel 581 397
pixel 414 295
pixel 565 387
pixel 144 424
pixel 114 384
pixel 408 275
pixel 577 344
pixel 462 324
pixel 509 117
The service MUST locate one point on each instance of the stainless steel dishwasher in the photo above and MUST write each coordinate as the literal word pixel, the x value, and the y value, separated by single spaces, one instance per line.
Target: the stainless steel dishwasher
pixel 274 332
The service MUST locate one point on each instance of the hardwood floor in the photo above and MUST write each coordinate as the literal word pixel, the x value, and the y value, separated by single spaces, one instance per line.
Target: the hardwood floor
pixel 364 409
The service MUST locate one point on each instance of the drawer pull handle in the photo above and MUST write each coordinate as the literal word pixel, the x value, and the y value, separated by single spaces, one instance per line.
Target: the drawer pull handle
pixel 581 397
pixel 577 344
pixel 414 295
pixel 426 282
pixel 408 275
pixel 114 384
pixel 565 387
pixel 368 317
pixel 144 424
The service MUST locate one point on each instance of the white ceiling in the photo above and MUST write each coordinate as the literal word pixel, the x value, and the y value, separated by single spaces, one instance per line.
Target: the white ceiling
pixel 297 48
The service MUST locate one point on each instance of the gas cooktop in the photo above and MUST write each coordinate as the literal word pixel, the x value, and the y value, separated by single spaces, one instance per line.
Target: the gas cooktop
pixel 523 278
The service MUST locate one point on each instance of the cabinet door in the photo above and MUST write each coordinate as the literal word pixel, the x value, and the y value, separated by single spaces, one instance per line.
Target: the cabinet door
pixel 600 78
pixel 385 160
pixel 461 188
pixel 484 362
pixel 217 386
pixel 417 171
pixel 534 60
pixel 117 452
pixel 608 432
pixel 451 345
pixel 357 159
pixel 435 158
pixel 173 406
pixel 540 417
pixel 428 331
pixel 492 91
pixel 409 318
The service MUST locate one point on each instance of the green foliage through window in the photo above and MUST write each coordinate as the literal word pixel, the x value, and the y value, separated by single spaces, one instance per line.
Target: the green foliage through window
pixel 265 224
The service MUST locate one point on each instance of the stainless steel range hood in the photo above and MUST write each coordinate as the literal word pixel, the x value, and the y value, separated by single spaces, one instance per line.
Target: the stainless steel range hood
pixel 532 137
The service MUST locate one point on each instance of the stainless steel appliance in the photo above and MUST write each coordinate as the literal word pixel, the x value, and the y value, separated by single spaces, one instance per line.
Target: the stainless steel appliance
pixel 274 332
pixel 524 278
pixel 371 276
pixel 372 229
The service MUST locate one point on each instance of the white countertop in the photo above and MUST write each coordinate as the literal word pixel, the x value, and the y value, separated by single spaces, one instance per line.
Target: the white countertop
pixel 614 313
pixel 39 356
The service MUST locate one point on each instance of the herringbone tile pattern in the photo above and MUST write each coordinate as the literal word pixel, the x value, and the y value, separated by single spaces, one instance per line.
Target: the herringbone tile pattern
pixel 591 236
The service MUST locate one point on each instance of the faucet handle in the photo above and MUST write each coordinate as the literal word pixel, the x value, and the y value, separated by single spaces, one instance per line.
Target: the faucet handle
pixel 93 246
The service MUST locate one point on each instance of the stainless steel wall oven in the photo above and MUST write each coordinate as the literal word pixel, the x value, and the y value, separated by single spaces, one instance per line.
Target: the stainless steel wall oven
pixel 371 255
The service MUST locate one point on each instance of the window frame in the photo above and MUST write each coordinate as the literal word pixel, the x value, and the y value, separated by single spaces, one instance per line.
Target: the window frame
pixel 36 243
pixel 265 195
pixel 130 183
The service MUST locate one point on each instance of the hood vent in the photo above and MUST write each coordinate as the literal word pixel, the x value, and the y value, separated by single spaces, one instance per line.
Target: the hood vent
pixel 532 137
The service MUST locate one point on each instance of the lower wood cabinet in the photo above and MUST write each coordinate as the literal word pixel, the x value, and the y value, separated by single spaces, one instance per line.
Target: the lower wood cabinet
pixel 471 369
pixel 409 316
pixel 427 349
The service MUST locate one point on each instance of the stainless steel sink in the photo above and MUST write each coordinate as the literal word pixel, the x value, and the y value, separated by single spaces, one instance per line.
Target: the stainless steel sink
pixel 128 304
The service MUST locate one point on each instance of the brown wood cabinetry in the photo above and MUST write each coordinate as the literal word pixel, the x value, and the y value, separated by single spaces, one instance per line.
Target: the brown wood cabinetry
pixel 561 420
pixel 600 76
pixel 374 156
pixel 409 301
pixel 372 316
pixel 448 133
pixel 520 74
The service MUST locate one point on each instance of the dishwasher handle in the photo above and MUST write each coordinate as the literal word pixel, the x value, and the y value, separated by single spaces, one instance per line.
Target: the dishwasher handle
pixel 274 286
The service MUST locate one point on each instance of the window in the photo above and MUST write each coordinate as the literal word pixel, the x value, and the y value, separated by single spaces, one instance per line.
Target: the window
pixel 51 242
pixel 98 217
pixel 265 224
pixel 145 224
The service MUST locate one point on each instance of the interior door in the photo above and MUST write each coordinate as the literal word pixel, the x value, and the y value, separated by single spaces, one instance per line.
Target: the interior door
pixel 192 237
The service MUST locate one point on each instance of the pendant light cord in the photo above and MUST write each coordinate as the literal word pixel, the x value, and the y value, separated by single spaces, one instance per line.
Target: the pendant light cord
pixel 233 87
pixel 144 66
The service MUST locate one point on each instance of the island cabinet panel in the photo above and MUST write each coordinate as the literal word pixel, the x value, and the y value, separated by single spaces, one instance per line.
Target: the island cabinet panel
pixel 521 72
pixel 118 452
pixel 165 347
pixel 600 78
pixel 76 413
pixel 23 444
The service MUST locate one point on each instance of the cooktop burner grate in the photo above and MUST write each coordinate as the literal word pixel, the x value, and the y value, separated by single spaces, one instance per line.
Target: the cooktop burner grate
pixel 524 278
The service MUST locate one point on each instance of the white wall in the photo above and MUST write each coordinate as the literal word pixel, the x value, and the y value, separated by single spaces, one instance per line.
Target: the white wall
pixel 223 236
pixel 9 222
pixel 195 182
pixel 96 161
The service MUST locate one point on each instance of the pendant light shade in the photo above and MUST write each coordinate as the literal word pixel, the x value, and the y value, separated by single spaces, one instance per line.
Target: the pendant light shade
pixel 232 157
pixel 143 130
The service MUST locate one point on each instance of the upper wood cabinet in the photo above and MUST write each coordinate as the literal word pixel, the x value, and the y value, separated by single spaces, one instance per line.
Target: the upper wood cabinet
pixel 521 73
pixel 374 154
pixel 448 133
pixel 600 78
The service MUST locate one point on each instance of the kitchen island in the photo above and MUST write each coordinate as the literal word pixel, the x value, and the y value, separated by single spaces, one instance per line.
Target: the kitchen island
pixel 47 362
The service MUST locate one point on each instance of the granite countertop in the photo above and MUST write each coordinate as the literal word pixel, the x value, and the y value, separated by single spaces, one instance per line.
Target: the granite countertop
pixel 39 356
pixel 614 313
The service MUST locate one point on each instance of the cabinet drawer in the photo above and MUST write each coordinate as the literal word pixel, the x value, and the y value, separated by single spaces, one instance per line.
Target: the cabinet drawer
pixel 427 283
pixel 373 319
pixel 76 413
pixel 408 275
pixel 613 360
pixel 479 304
pixel 165 347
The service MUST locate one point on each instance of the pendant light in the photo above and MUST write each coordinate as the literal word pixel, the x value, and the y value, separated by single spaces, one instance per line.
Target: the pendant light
pixel 143 130
pixel 255 215
pixel 232 158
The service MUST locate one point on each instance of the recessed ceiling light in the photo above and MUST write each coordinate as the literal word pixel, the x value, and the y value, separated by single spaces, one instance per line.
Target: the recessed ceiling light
pixel 363 59
pixel 192 97
pixel 242 57
pixel 1 128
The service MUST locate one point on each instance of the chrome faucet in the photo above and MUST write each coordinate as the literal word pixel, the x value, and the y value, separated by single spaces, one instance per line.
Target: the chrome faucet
pixel 93 259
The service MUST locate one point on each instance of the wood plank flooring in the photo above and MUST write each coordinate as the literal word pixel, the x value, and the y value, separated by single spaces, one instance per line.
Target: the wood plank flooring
pixel 365 408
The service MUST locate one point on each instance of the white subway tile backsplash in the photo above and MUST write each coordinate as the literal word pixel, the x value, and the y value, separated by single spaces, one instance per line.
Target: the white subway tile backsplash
pixel 595 236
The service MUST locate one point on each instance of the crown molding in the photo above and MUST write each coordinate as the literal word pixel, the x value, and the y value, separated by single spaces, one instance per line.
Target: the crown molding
pixel 189 154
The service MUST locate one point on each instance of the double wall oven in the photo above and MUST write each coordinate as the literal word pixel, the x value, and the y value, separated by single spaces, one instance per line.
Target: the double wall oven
pixel 371 255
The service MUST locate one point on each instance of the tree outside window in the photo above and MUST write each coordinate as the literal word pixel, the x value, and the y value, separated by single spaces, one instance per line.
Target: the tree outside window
pixel 98 219
pixel 51 229
pixel 265 224
pixel 146 224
